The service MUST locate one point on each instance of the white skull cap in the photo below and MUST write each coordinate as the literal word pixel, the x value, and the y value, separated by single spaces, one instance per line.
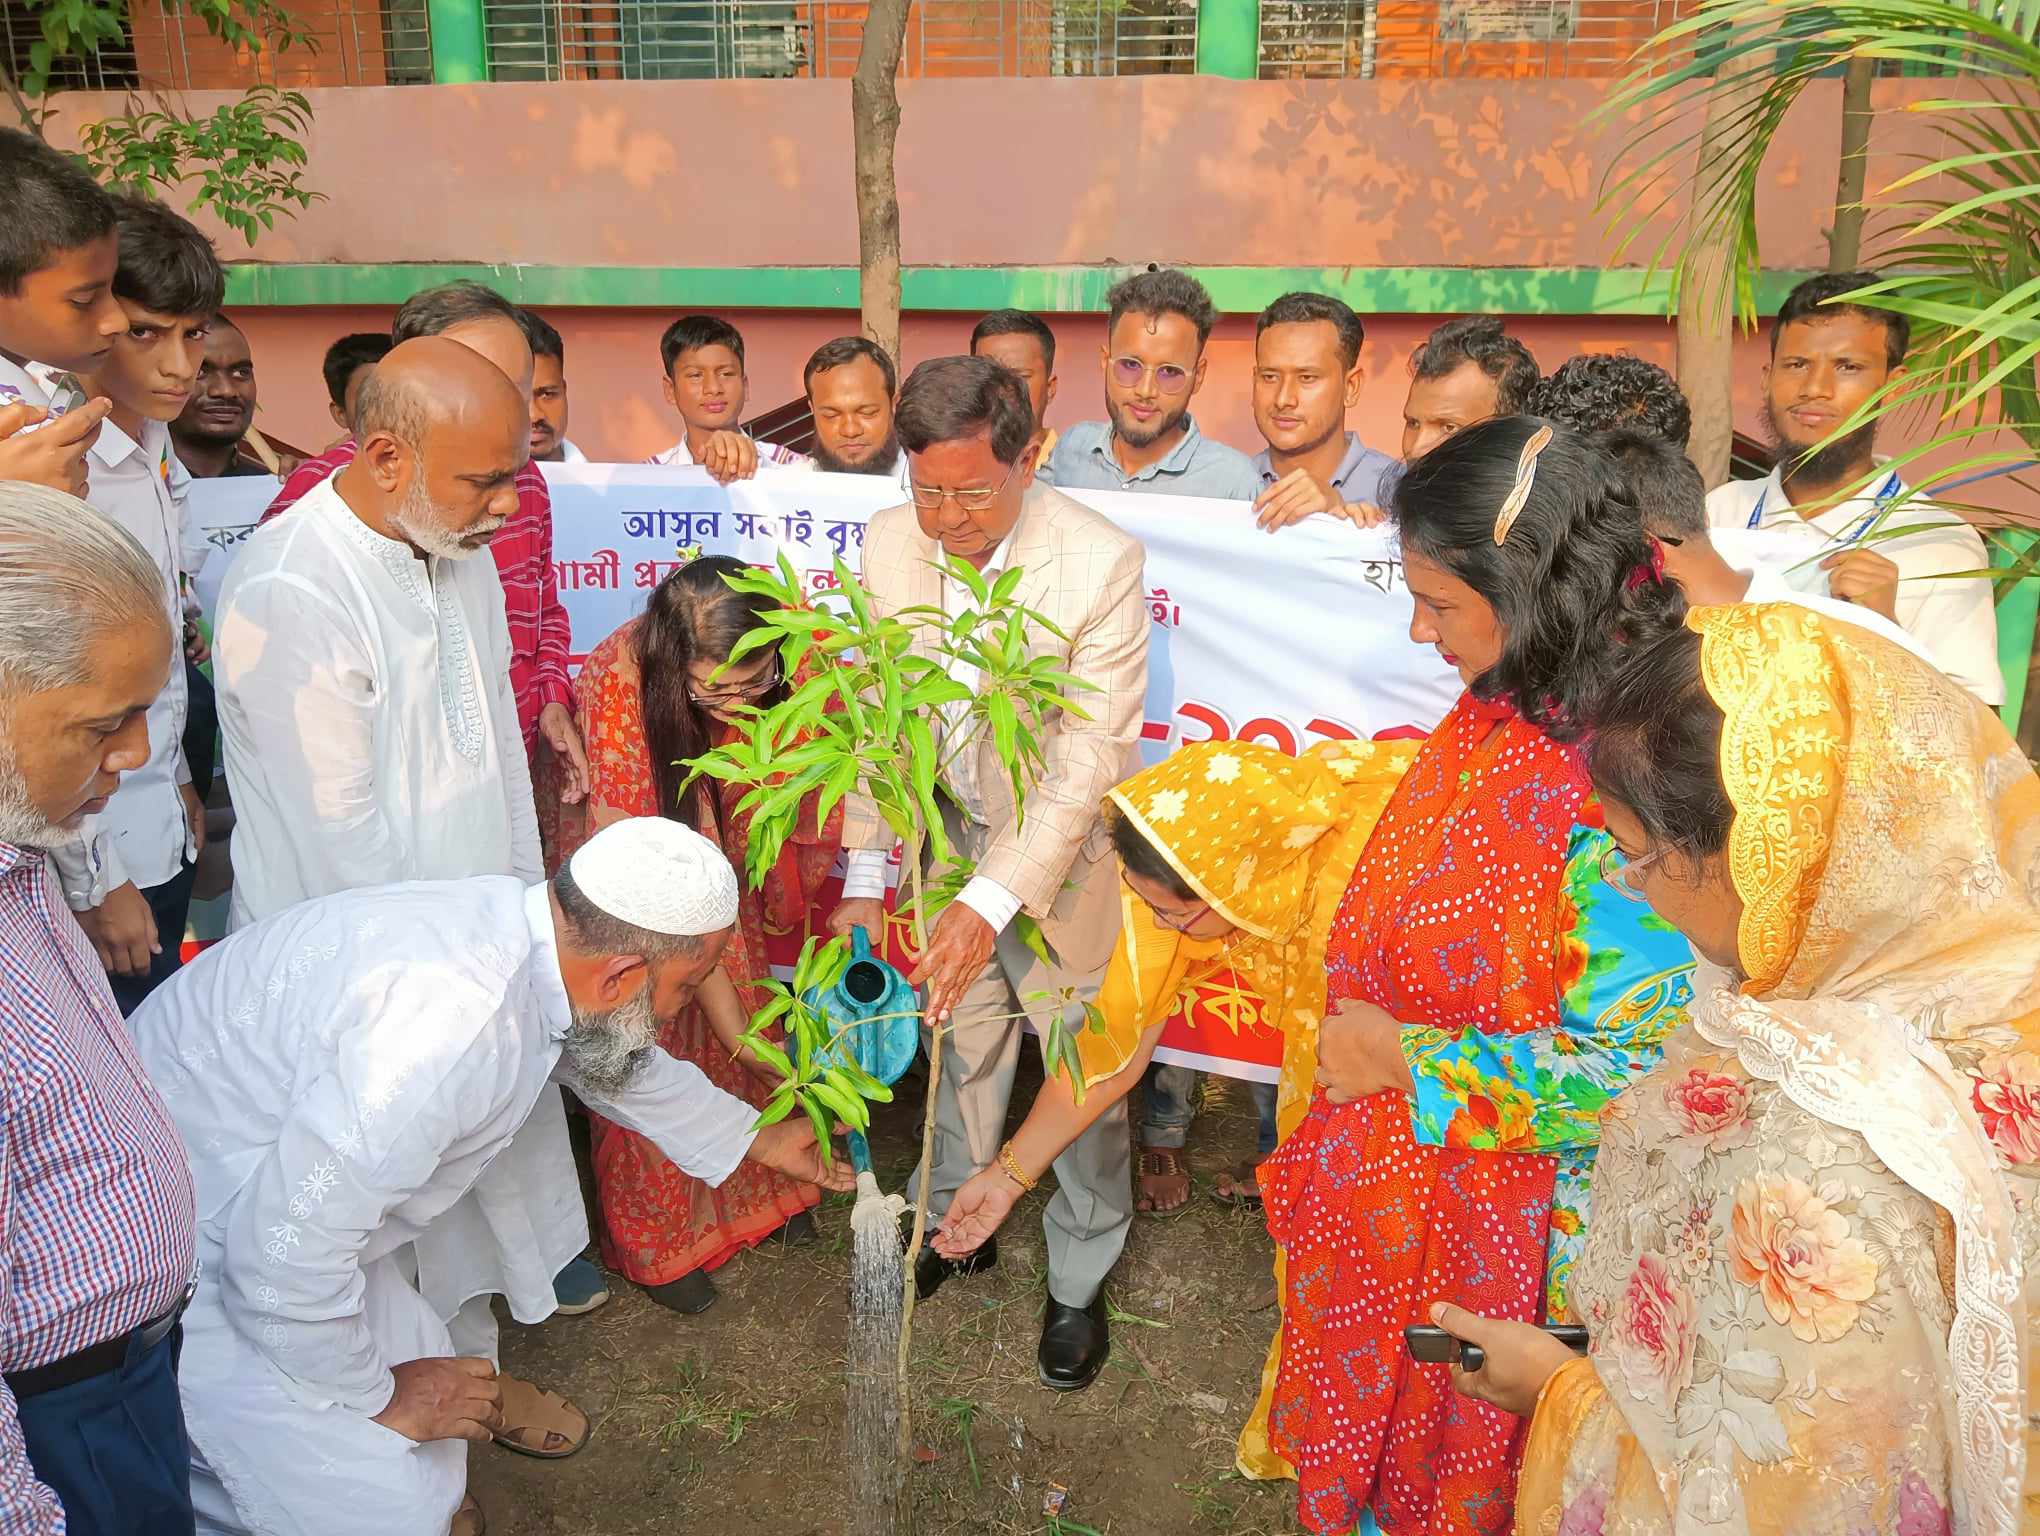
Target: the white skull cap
pixel 657 875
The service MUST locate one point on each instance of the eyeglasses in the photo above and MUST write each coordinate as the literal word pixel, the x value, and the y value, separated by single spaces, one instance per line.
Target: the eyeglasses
pixel 742 693
pixel 1623 873
pixel 1127 373
pixel 1180 925
pixel 976 499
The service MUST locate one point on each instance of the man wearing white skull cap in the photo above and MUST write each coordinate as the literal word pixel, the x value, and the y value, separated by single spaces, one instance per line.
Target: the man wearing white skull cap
pixel 344 1075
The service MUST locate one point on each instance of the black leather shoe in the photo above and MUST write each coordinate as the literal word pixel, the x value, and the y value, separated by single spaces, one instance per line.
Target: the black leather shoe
pixel 931 1269
pixel 1074 1344
pixel 692 1293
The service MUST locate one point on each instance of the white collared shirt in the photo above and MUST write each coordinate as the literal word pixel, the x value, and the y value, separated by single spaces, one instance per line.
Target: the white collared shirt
pixel 1954 617
pixel 143 835
pixel 864 868
pixel 680 455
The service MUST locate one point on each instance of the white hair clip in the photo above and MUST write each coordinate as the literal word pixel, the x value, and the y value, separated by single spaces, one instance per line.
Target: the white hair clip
pixel 1526 477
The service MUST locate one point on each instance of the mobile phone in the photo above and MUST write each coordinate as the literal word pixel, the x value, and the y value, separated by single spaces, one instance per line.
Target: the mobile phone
pixel 1434 1346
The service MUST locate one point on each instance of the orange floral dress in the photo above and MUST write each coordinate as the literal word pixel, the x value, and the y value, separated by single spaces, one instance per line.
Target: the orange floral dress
pixel 659 1224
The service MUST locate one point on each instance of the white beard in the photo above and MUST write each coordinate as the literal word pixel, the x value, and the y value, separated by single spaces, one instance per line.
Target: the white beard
pixel 20 822
pixel 608 1049
pixel 414 522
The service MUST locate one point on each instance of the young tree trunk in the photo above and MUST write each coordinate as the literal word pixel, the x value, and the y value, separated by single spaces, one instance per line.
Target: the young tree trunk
pixel 1845 239
pixel 1706 318
pixel 875 125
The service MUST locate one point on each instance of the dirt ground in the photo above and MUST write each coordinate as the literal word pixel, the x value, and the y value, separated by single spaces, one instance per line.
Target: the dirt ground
pixel 733 1421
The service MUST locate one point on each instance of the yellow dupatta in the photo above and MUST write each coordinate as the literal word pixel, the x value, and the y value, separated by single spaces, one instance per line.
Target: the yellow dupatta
pixel 1886 847
pixel 1269 841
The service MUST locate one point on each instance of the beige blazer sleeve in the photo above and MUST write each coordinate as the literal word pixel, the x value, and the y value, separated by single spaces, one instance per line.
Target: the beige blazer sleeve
pixel 1095 597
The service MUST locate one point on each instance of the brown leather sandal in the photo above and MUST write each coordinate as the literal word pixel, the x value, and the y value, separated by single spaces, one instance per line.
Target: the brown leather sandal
pixel 1244 1192
pixel 539 1423
pixel 1162 1163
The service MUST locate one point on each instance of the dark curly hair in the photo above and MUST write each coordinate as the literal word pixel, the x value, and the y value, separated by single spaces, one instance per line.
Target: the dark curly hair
pixel 1572 586
pixel 1604 391
pixel 1481 341
pixel 1655 746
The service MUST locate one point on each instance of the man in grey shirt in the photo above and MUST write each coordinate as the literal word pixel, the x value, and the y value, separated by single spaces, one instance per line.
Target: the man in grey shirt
pixel 1157 324
pixel 1307 376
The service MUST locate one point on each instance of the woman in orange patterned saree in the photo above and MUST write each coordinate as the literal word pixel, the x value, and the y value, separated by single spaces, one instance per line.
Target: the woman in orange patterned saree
pixel 1486 996
pixel 1815 1313
pixel 650 698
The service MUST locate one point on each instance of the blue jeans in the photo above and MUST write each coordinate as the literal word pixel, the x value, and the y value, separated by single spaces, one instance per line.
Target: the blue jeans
pixel 1169 1103
pixel 170 904
pixel 112 1447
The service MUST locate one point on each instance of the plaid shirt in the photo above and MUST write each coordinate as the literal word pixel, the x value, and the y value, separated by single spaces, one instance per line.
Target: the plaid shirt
pixel 531 602
pixel 95 1193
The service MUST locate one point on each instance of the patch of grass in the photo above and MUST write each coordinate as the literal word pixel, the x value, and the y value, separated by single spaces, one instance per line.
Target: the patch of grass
pixel 960 1414
pixel 688 1406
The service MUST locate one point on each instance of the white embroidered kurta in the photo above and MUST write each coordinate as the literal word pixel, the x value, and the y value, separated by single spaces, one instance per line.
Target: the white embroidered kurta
pixel 346 1077
pixel 372 737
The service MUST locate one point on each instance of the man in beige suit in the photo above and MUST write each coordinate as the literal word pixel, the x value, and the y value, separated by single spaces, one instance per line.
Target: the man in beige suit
pixel 970 440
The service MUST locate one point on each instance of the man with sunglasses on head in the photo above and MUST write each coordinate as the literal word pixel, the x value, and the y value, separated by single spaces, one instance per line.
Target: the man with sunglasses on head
pixel 971 441
pixel 1156 325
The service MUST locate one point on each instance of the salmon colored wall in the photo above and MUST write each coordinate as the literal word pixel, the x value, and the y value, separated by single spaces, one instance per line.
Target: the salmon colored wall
pixel 1011 172
pixel 617 411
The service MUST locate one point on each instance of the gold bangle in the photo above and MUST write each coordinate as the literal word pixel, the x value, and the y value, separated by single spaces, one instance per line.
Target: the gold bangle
pixel 1012 1169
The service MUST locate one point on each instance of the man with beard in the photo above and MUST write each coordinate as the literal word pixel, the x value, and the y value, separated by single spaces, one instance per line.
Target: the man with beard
pixel 221 410
pixel 1307 376
pixel 372 737
pixel 98 1239
pixel 1156 325
pixel 850 384
pixel 1830 508
pixel 351 1076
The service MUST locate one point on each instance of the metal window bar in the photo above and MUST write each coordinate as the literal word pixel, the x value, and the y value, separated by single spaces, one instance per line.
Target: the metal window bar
pixel 722 39
pixel 350 42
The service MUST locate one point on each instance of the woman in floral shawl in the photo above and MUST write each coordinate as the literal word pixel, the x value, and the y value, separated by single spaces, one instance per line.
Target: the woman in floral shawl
pixel 1486 997
pixel 1815 1311
pixel 652 696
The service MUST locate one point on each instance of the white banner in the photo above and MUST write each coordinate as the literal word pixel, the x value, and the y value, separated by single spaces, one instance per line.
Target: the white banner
pixel 1285 638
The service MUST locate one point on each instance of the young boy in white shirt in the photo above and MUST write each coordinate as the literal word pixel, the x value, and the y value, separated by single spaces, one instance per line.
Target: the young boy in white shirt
pixel 129 879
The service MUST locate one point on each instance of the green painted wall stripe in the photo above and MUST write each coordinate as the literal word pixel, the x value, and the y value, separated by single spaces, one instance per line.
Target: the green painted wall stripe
pixel 1229 38
pixel 1055 290
pixel 459 41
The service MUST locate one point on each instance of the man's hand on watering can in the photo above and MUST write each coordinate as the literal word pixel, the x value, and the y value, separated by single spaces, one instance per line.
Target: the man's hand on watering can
pixel 957 953
pixel 790 1147
pixel 975 1212
pixel 866 912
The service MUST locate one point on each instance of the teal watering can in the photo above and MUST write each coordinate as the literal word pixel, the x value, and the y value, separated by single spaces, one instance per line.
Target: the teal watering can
pixel 857 1009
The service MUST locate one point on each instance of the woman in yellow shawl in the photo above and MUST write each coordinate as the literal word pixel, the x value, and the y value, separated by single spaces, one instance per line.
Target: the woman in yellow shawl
pixel 1814 1310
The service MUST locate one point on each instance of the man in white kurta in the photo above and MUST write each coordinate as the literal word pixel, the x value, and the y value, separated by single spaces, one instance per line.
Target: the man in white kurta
pixel 363 666
pixel 346 1076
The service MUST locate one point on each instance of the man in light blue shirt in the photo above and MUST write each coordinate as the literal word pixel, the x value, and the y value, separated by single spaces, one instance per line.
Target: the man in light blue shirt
pixel 1307 376
pixel 1156 326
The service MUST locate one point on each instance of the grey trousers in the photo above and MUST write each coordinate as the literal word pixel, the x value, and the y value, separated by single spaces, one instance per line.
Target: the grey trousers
pixel 1087 1221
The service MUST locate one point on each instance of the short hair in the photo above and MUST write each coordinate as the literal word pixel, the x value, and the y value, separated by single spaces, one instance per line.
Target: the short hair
pixel 392 403
pixel 842 352
pixel 1607 391
pixel 1162 291
pixel 167 265
pixel 1016 322
pixel 1660 481
pixel 1480 340
pixel 363 349
pixel 1655 746
pixel 438 310
pixel 949 398
pixel 52 206
pixel 599 932
pixel 692 331
pixel 1304 308
pixel 545 341
pixel 67 573
pixel 1814 300
pixel 222 318
pixel 1571 586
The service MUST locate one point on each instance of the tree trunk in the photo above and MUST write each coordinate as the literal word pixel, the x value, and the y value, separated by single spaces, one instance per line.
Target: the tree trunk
pixel 875 125
pixel 1705 323
pixel 1845 239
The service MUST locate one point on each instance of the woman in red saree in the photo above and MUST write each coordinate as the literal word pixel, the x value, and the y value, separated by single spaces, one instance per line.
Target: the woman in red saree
pixel 1482 1003
pixel 649 699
